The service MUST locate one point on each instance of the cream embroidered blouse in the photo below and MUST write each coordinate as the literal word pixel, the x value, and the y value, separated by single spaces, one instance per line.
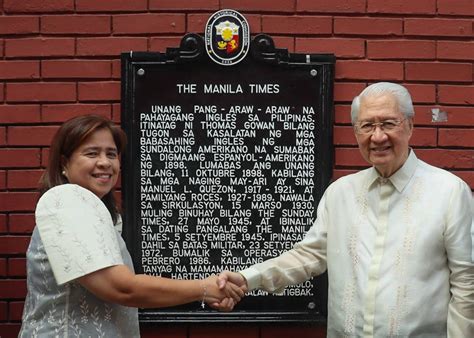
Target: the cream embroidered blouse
pixel 74 236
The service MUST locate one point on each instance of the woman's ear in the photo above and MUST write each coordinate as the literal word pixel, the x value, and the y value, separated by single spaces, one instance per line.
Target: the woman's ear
pixel 64 166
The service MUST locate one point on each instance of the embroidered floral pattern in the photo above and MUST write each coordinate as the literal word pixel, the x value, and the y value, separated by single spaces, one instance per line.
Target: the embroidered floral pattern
pixel 69 310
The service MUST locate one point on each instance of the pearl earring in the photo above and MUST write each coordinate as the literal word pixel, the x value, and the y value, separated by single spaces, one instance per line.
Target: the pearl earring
pixel 63 172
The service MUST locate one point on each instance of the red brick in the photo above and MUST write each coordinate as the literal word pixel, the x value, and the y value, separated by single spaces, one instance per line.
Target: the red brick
pixel 455 7
pixel 402 6
pixel 341 48
pixel 23 179
pixel 284 42
pixel 219 330
pixel 456 94
pixel 75 24
pixel 3 185
pixel 10 330
pixel 349 157
pixel 344 136
pixel 76 69
pixel 110 46
pixel 447 158
pixel 466 176
pixel 16 311
pixel 3 223
pixel 461 116
pixel 3 268
pixel 44 156
pixel 3 136
pixel 31 135
pixel 185 5
pixel 13 244
pixel 16 114
pixel 457 116
pixel 455 50
pixel 41 92
pixel 17 201
pixel 64 112
pixel 3 305
pixel 99 91
pixel 368 26
pixel 422 93
pixel 19 25
pixel 40 6
pixel 276 331
pixel 10 158
pixel 438 27
pixel 19 69
pixel 424 116
pixel 456 137
pixel 2 91
pixel 438 71
pixel 346 91
pixel 39 47
pixel 197 22
pixel 21 223
pixel 334 6
pixel 424 137
pixel 12 288
pixel 2 43
pixel 150 331
pixel 401 49
pixel 149 23
pixel 116 112
pixel 297 24
pixel 369 70
pixel 260 6
pixel 160 43
pixel 116 69
pixel 111 6
pixel 342 114
pixel 17 267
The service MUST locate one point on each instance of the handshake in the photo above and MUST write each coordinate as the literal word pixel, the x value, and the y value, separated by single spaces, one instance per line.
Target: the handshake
pixel 224 291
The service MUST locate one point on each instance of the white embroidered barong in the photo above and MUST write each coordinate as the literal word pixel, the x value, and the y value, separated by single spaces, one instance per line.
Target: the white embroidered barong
pixel 397 252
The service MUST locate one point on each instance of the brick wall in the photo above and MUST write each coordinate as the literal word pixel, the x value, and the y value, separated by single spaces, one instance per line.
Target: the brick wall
pixel 60 58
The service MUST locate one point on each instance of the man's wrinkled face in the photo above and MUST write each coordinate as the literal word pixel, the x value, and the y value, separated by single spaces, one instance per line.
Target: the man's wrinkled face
pixel 386 150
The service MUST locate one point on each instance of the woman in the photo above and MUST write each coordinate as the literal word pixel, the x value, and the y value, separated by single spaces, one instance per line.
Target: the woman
pixel 80 280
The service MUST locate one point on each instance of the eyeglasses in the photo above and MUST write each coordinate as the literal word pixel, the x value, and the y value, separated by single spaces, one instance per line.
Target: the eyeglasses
pixel 385 126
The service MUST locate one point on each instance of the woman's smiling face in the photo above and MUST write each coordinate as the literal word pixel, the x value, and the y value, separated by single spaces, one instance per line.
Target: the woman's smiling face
pixel 95 164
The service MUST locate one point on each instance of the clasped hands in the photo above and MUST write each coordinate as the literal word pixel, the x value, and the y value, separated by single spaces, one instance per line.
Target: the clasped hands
pixel 224 291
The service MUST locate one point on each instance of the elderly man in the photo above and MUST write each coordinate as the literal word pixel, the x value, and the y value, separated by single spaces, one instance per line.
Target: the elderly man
pixel 395 238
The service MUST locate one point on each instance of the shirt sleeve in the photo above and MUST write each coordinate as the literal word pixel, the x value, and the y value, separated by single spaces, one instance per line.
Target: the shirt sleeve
pixel 77 232
pixel 458 243
pixel 306 259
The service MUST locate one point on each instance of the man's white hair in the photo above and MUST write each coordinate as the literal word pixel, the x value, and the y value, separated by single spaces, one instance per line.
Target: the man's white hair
pixel 401 94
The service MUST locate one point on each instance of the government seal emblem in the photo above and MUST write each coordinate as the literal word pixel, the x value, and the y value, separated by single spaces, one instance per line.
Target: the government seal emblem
pixel 227 37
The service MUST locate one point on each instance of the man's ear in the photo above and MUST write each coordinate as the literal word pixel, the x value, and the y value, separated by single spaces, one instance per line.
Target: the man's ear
pixel 411 125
